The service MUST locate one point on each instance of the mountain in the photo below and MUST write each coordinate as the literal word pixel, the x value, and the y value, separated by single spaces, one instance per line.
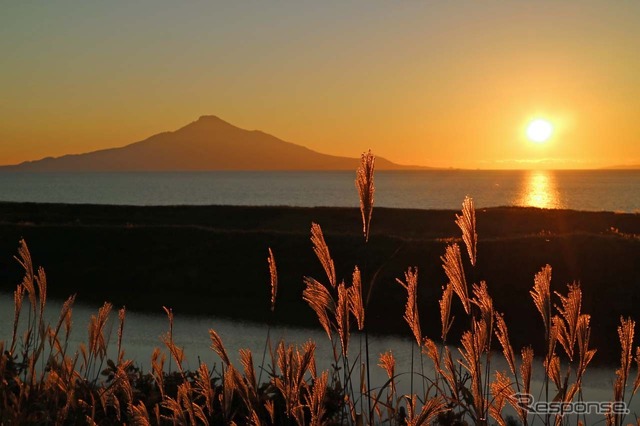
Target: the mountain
pixel 206 144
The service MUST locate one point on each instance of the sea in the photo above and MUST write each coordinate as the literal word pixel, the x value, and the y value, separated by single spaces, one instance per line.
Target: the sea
pixel 593 190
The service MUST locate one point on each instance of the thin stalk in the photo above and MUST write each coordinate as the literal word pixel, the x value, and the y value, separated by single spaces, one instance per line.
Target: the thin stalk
pixel 366 331
pixel 366 348
pixel 366 334
pixel 345 367
pixel 424 388
pixel 348 384
pixel 412 351
pixel 264 352
pixel 360 362
pixel 628 405
pixel 487 376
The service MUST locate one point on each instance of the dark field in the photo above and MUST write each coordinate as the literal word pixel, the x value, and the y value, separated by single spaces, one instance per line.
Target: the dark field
pixel 213 261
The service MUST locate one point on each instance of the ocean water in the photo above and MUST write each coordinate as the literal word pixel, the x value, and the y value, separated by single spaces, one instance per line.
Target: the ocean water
pixel 443 189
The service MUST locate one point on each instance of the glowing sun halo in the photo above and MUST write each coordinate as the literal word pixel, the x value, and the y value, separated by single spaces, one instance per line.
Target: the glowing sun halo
pixel 539 131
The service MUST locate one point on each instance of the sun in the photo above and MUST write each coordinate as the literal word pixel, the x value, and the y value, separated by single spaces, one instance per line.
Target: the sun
pixel 539 130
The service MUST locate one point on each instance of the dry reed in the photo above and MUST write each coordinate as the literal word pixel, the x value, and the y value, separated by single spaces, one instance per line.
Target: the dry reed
pixel 467 224
pixel 273 273
pixel 322 252
pixel 366 190
pixel 411 315
pixel 452 264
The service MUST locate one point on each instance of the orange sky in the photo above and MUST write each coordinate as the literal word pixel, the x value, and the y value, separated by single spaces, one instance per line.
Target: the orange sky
pixel 450 84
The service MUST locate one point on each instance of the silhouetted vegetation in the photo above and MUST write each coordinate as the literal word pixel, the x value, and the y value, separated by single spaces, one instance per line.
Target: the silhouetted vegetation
pixel 170 253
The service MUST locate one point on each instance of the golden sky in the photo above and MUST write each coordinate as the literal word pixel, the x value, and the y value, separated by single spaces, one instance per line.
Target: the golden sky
pixel 448 84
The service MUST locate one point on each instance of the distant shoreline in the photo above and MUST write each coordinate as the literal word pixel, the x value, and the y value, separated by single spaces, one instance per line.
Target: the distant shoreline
pixel 211 260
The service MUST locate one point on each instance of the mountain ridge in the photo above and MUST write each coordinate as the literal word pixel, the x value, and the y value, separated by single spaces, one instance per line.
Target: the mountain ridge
pixel 207 144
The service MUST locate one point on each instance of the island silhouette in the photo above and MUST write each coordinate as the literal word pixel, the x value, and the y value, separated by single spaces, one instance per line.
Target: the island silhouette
pixel 206 144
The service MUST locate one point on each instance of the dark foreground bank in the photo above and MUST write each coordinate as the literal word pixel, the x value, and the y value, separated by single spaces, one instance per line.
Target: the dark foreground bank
pixel 212 260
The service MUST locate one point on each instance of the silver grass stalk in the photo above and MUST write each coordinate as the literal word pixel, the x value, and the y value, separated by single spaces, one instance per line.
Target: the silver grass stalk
pixel 321 249
pixel 467 224
pixel 452 264
pixel 366 189
pixel 411 315
pixel 274 279
pixel 319 299
pixel 445 311
pixel 355 298
pixel 541 295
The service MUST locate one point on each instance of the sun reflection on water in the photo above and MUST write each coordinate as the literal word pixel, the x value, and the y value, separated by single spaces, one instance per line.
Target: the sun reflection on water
pixel 539 189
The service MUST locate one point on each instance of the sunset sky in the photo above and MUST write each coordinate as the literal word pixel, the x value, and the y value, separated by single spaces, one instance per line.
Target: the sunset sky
pixel 447 84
